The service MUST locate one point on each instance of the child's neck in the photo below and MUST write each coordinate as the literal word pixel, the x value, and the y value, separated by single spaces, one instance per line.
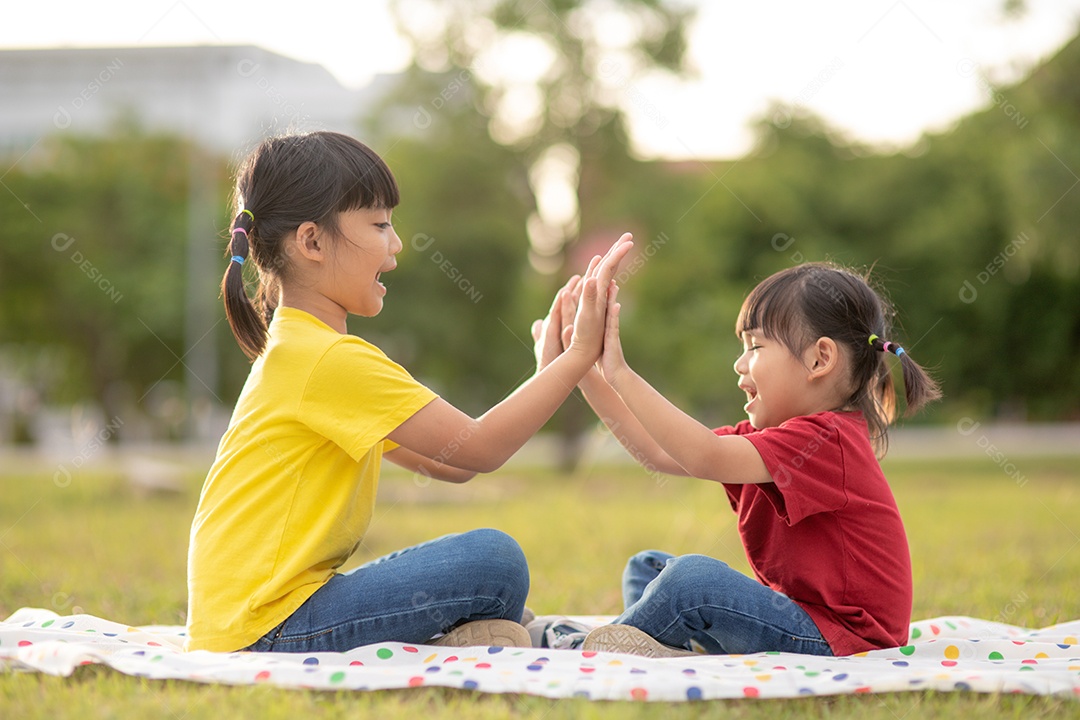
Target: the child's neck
pixel 316 304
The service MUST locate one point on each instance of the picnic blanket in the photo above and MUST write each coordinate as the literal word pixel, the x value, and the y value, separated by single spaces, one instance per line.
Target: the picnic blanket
pixel 945 654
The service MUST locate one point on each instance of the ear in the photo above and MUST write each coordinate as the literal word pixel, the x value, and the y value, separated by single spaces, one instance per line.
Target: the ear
pixel 308 242
pixel 822 358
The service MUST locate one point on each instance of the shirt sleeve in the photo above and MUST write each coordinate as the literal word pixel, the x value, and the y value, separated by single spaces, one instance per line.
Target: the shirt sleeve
pixel 805 458
pixel 356 396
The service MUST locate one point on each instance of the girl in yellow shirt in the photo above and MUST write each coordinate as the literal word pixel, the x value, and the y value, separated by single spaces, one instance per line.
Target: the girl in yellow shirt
pixel 290 494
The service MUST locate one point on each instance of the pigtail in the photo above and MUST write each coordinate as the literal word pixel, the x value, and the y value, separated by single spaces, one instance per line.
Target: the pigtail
pixel 919 388
pixel 248 325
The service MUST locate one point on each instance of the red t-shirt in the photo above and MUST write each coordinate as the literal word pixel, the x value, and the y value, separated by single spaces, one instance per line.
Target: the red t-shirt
pixel 826 532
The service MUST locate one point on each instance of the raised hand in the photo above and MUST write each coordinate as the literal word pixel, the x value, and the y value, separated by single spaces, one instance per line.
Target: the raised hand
pixel 589 322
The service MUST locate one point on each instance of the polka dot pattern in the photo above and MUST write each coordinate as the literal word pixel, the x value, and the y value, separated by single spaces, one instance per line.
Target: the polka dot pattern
pixel 946 654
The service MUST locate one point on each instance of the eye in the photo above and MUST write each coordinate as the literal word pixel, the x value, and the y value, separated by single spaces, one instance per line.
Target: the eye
pixel 384 225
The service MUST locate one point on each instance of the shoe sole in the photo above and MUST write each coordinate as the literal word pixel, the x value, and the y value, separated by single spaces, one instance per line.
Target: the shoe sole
pixel 629 640
pixel 486 633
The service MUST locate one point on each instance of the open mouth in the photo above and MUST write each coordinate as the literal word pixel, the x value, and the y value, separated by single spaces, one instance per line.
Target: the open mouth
pixel 751 395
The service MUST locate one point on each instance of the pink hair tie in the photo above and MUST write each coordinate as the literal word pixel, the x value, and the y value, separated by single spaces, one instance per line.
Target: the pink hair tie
pixel 240 230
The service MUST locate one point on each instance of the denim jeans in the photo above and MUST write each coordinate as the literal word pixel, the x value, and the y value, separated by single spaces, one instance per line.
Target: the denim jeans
pixel 410 595
pixel 695 597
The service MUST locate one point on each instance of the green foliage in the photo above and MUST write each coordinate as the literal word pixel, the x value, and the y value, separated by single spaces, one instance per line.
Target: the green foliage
pixel 92 252
pixel 971 233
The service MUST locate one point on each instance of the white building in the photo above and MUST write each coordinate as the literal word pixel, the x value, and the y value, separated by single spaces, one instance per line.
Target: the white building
pixel 228 97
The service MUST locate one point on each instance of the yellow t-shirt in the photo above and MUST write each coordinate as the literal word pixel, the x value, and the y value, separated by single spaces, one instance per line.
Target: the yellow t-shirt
pixel 291 491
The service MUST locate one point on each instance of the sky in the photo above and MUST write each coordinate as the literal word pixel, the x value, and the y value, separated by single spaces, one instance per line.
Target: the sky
pixel 880 71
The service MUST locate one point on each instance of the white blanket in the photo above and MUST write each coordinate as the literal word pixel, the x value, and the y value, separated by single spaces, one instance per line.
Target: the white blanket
pixel 948 653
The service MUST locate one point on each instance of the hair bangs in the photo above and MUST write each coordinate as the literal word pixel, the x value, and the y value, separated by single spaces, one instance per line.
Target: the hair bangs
pixel 773 308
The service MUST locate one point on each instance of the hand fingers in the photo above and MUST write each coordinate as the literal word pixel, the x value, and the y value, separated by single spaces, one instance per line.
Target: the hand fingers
pixel 610 265
pixel 536 326
pixel 569 306
pixel 567 335
pixel 593 265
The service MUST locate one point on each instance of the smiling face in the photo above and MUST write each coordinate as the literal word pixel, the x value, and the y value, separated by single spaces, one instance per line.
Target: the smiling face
pixel 777 384
pixel 366 248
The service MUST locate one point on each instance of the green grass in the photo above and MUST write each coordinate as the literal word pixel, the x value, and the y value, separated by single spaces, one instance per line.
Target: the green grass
pixel 982 545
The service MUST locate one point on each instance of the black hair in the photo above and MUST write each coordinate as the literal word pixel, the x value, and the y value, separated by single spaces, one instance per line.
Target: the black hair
pixel 798 305
pixel 284 182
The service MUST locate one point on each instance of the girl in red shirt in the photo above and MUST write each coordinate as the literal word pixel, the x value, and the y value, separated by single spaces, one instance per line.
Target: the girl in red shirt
pixel 818 522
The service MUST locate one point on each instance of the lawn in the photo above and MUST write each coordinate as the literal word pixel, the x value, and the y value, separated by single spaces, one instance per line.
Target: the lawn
pixel 983 544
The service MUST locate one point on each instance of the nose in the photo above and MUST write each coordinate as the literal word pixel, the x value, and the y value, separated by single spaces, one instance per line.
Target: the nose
pixel 740 365
pixel 395 243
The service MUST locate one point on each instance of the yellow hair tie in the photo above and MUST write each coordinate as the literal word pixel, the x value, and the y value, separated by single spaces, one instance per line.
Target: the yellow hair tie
pixel 250 215
pixel 873 338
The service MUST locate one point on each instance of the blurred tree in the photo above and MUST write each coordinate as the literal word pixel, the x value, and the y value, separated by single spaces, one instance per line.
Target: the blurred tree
pixel 453 314
pixel 554 80
pixel 91 269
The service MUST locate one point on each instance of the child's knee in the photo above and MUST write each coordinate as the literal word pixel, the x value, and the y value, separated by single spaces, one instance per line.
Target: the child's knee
pixel 500 554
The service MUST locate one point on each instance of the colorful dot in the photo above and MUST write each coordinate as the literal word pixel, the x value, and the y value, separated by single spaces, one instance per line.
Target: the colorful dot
pixel 452 658
pixel 952 652
pixel 1070 640
pixel 693 693
pixel 949 663
pixel 639 693
pixel 996 656
pixel 337 677
pixel 907 650
pixel 409 649
pixel 470 684
pixel 416 681
pixel 311 661
pixel 47 623
pixel 751 692
pixel 840 676
pixel 264 675
pixel 356 662
pixel 535 667
pixel 493 650
pixel 901 663
pixel 24 643
pixel 916 633
pixel 384 653
pixel 482 666
pixel 935 629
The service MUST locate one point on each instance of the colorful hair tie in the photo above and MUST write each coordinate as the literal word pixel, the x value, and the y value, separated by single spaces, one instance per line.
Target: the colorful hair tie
pixel 249 214
pixel 899 351
pixel 239 259
pixel 873 338
pixel 240 230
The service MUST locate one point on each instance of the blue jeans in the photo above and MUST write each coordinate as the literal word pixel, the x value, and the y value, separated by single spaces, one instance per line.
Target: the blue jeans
pixel 694 597
pixel 410 595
